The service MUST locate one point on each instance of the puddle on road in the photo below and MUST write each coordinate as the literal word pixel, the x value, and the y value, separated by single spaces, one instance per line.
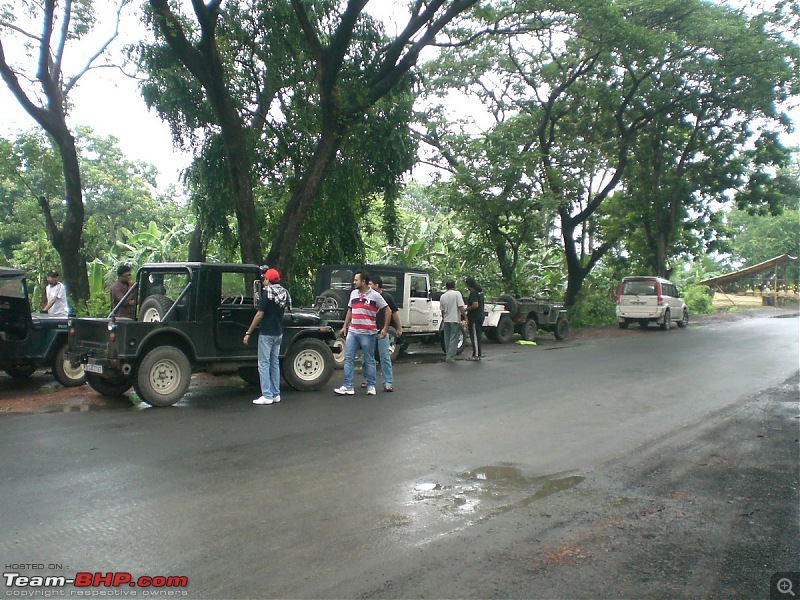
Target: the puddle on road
pixel 486 491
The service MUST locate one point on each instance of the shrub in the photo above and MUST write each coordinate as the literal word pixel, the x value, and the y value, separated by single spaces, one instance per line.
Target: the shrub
pixel 593 308
pixel 699 299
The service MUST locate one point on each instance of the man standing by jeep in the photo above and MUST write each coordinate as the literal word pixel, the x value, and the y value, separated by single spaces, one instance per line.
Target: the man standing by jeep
pixel 360 330
pixel 269 317
pixel 383 341
pixel 453 312
pixel 118 291
pixel 56 305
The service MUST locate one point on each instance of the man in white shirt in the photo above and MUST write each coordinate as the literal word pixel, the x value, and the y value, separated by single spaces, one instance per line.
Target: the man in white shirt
pixel 453 312
pixel 56 296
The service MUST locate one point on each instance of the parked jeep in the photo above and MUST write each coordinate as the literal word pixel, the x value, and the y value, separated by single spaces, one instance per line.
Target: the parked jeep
pixel 527 315
pixel 29 342
pixel 192 317
pixel 417 303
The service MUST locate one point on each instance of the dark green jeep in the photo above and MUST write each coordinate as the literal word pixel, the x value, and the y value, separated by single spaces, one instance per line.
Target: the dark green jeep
pixel 192 317
pixel 29 342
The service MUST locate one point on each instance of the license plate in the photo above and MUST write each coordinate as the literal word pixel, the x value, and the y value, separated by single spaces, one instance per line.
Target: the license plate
pixel 93 368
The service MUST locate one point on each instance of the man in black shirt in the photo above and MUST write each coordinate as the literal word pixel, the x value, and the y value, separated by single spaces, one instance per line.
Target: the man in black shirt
pixel 475 316
pixel 383 342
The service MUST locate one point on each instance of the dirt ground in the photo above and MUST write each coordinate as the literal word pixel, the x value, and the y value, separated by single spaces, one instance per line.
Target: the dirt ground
pixel 42 394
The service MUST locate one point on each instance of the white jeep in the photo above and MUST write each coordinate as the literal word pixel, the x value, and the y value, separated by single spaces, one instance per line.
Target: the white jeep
pixel 417 304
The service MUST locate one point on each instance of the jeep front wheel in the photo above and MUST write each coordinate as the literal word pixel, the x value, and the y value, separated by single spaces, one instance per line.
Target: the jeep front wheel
pixel 64 372
pixel 562 329
pixel 462 340
pixel 529 330
pixel 163 376
pixel 308 364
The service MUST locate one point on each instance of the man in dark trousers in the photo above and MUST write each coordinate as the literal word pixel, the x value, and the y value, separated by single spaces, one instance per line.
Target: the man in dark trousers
pixel 475 316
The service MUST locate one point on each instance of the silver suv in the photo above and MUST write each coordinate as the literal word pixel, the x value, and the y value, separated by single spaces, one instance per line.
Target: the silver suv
pixel 646 300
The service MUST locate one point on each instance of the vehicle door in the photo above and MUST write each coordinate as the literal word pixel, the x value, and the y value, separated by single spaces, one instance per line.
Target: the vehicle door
pixel 419 304
pixel 237 304
pixel 16 324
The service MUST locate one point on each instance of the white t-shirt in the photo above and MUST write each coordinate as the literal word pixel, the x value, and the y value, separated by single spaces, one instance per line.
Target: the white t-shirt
pixel 59 308
pixel 449 303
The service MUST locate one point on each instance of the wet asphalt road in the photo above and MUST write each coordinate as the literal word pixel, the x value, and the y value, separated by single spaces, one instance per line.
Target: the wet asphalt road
pixel 644 464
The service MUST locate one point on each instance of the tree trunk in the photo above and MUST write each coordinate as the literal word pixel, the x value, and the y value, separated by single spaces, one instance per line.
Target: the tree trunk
pixel 291 223
pixel 67 240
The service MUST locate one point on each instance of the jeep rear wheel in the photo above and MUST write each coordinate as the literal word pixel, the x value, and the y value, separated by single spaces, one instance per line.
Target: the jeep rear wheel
pixel 338 357
pixel 505 330
pixel 115 386
pixel 249 375
pixel 664 325
pixel 154 308
pixel 163 376
pixel 64 372
pixel 308 364
pixel 21 371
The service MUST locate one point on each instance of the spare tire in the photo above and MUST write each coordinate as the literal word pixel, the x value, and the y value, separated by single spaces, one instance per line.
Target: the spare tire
pixel 336 298
pixel 512 306
pixel 154 308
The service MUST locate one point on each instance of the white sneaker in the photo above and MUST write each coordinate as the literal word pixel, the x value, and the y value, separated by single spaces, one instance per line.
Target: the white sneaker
pixel 344 391
pixel 276 399
pixel 262 400
pixel 370 390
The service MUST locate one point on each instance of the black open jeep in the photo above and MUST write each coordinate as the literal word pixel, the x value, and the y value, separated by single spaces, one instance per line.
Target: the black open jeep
pixel 192 317
pixel 29 342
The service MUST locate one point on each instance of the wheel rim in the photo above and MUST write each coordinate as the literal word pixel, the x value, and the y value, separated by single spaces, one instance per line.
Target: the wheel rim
pixel 151 316
pixel 73 373
pixel 530 331
pixel 308 365
pixel 165 376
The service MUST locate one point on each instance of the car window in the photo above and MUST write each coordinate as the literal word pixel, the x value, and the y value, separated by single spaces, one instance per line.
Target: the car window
pixel 236 287
pixel 12 288
pixel 419 287
pixel 639 288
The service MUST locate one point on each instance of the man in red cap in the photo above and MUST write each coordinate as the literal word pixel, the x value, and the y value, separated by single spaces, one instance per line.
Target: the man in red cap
pixel 274 300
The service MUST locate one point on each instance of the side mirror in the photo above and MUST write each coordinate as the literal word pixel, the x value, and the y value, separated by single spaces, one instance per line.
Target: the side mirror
pixel 256 292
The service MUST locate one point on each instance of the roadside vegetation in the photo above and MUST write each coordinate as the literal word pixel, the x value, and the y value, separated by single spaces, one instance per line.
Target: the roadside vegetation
pixel 603 139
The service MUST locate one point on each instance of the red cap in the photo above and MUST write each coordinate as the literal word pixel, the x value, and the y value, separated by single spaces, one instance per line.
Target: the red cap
pixel 272 276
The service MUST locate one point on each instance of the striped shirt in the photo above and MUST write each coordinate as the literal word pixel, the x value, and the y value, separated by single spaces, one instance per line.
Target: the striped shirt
pixel 364 307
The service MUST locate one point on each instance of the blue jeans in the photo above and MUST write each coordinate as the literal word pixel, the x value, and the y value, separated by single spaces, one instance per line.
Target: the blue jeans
pixel 386 359
pixel 269 366
pixel 352 343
